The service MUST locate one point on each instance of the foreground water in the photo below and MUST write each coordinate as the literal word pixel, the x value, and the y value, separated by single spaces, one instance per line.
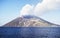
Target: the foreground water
pixel 30 32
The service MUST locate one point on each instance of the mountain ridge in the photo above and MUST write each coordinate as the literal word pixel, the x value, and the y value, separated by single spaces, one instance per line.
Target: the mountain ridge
pixel 28 19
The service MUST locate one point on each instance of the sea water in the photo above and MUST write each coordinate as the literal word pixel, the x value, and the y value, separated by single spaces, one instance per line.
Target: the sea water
pixel 29 32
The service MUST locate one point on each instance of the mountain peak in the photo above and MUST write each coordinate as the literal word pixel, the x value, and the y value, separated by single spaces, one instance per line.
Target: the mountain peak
pixel 29 21
pixel 30 16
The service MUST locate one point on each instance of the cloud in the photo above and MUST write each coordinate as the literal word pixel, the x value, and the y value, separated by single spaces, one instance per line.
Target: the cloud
pixel 53 4
pixel 26 10
pixel 40 8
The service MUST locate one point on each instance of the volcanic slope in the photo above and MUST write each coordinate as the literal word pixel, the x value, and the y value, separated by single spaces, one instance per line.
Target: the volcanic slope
pixel 29 21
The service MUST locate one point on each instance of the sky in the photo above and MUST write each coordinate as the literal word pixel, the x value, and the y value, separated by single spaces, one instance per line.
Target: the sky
pixel 47 9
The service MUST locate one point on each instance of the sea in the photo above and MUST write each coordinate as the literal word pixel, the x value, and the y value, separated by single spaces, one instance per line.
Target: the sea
pixel 29 32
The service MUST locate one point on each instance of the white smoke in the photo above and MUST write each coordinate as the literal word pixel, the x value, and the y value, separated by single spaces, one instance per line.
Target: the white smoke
pixel 40 8
pixel 26 10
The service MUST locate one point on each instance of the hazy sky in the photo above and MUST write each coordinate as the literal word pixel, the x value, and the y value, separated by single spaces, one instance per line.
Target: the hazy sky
pixel 11 9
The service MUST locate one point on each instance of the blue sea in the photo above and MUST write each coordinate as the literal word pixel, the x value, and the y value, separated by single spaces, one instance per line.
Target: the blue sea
pixel 29 32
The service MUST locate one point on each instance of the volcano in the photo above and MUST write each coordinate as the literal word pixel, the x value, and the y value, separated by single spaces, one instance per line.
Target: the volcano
pixel 30 21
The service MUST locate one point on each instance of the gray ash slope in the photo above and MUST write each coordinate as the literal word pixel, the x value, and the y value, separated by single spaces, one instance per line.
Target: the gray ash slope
pixel 29 21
